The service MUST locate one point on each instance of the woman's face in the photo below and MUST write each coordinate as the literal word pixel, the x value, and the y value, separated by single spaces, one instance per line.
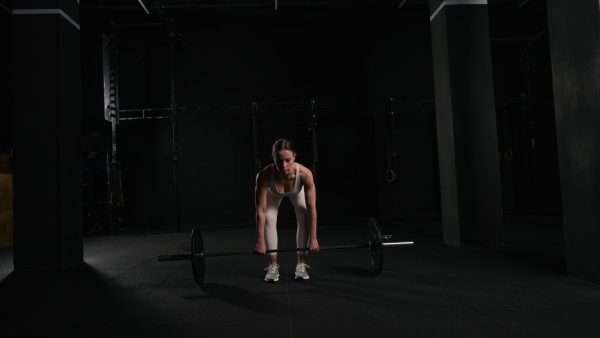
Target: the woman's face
pixel 284 160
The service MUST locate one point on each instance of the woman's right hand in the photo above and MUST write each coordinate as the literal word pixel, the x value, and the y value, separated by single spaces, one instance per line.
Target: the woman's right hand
pixel 261 248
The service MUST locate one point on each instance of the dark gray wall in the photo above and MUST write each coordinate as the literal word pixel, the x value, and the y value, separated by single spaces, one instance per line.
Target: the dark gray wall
pixel 525 107
pixel 360 57
pixel 235 58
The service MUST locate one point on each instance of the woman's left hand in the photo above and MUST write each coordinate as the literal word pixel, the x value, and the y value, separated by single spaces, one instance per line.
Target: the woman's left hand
pixel 313 246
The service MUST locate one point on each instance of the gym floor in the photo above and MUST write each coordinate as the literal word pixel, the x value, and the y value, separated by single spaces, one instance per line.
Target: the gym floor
pixel 427 290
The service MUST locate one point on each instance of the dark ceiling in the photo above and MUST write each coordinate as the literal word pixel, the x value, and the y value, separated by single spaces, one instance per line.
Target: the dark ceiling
pixel 509 19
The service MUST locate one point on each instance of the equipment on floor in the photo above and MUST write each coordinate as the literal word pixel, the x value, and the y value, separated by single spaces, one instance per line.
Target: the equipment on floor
pixel 374 243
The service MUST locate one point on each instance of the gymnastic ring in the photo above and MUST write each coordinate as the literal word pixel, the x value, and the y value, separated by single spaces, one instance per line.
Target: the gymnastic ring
pixel 508 154
pixel 387 175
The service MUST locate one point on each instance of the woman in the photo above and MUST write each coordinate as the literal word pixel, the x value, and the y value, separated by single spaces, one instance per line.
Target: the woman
pixel 285 178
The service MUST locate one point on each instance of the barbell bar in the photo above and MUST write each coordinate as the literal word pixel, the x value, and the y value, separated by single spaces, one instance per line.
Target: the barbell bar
pixel 197 255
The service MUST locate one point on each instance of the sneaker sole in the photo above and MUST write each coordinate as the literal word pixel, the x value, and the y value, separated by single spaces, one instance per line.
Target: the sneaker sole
pixel 300 277
pixel 272 280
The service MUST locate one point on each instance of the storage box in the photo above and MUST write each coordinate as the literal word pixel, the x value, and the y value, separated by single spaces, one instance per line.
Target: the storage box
pixel 6 229
pixel 4 162
pixel 6 192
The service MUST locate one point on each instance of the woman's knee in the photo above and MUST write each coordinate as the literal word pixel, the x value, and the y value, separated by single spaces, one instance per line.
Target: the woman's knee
pixel 300 212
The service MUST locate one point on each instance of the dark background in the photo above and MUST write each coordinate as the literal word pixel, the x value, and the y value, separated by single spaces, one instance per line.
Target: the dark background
pixel 350 57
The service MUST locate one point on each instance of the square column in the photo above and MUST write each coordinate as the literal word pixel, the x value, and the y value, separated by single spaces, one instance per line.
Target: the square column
pixel 470 186
pixel 47 134
pixel 574 30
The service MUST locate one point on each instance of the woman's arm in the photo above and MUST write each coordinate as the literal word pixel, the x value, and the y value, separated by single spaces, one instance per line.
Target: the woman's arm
pixel 310 194
pixel 260 200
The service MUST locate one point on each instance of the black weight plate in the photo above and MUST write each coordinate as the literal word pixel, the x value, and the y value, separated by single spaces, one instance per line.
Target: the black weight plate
pixel 375 246
pixel 197 256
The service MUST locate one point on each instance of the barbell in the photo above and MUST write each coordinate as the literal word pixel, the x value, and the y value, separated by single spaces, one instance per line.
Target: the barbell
pixel 197 255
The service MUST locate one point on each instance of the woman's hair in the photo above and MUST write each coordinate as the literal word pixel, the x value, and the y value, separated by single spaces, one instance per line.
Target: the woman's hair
pixel 283 144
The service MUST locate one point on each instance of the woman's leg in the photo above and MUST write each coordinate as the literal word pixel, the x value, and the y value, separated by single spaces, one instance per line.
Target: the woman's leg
pixel 271 238
pixel 302 233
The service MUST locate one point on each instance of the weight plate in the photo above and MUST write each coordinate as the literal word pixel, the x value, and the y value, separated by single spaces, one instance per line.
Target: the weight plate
pixel 375 246
pixel 197 256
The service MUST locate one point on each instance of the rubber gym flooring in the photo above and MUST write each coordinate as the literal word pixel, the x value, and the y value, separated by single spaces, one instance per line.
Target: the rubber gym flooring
pixel 427 290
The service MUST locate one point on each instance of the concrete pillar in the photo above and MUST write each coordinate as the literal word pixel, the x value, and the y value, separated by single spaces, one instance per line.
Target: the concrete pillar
pixel 471 196
pixel 46 123
pixel 574 29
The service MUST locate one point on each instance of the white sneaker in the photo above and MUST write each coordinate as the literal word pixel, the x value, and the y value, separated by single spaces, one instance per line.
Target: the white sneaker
pixel 301 271
pixel 272 273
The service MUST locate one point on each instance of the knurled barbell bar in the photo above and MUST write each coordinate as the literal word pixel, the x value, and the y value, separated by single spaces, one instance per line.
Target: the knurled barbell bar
pixel 197 255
